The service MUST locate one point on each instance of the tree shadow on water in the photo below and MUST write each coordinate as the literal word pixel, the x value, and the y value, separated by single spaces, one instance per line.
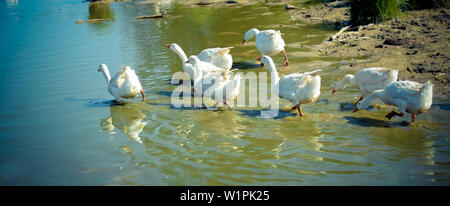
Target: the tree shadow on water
pixel 369 122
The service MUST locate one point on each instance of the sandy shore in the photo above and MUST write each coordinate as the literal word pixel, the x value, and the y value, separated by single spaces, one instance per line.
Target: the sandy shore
pixel 416 43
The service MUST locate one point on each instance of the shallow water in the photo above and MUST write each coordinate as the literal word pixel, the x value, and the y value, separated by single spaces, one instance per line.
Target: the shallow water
pixel 58 127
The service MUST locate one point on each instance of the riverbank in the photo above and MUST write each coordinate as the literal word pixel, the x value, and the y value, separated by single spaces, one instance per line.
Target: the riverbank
pixel 416 43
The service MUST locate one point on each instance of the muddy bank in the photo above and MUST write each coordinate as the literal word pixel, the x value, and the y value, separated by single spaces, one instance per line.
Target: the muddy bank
pixel 415 43
pixel 337 12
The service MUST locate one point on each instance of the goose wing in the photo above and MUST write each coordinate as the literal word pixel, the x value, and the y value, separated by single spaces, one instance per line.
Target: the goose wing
pixel 374 78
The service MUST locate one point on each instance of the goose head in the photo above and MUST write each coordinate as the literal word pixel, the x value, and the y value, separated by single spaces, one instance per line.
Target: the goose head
pixel 268 61
pixel 102 68
pixel 174 47
pixel 178 50
pixel 249 34
pixel 342 84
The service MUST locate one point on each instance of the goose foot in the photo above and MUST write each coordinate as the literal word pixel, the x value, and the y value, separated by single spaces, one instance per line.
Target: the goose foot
pixel 392 114
pixel 226 103
pixel 118 102
pixel 300 113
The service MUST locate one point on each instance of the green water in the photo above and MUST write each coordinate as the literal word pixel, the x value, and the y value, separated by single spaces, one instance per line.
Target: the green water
pixel 57 127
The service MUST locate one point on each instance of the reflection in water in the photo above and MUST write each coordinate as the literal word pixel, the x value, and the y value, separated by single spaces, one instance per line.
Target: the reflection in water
pixel 128 119
pixel 12 3
pixel 182 146
pixel 103 11
pixel 411 144
pixel 226 123
pixel 306 140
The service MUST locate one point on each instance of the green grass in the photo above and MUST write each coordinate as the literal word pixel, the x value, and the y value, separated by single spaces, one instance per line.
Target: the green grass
pixel 374 11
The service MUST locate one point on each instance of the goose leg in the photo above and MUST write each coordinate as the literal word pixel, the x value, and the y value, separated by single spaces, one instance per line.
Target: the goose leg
pixel 226 103
pixel 300 113
pixel 285 58
pixel 143 96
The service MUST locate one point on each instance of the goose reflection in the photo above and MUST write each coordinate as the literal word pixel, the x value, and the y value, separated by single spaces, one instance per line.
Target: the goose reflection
pixel 226 123
pixel 308 140
pixel 407 144
pixel 128 119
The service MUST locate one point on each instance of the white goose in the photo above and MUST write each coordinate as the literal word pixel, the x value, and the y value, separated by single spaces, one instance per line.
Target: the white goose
pixel 206 75
pixel 124 84
pixel 407 96
pixel 368 80
pixel 225 91
pixel 268 42
pixel 298 88
pixel 220 57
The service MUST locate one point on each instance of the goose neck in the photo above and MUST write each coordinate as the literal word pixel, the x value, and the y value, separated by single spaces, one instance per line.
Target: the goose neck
pixel 181 54
pixel 106 74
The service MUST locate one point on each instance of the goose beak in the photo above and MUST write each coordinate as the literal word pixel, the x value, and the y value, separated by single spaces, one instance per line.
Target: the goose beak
pixel 168 45
pixel 355 109
pixel 243 41
pixel 187 62
pixel 334 91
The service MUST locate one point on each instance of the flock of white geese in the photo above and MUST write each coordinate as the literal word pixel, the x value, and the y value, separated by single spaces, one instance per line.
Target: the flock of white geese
pixel 214 65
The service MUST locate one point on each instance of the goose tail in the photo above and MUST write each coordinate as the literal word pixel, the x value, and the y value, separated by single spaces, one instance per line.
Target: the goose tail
pixel 222 52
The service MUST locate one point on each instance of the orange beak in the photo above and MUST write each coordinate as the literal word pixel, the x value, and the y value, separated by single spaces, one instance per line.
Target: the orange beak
pixel 355 109
pixel 243 41
pixel 187 62
pixel 168 45
pixel 334 91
